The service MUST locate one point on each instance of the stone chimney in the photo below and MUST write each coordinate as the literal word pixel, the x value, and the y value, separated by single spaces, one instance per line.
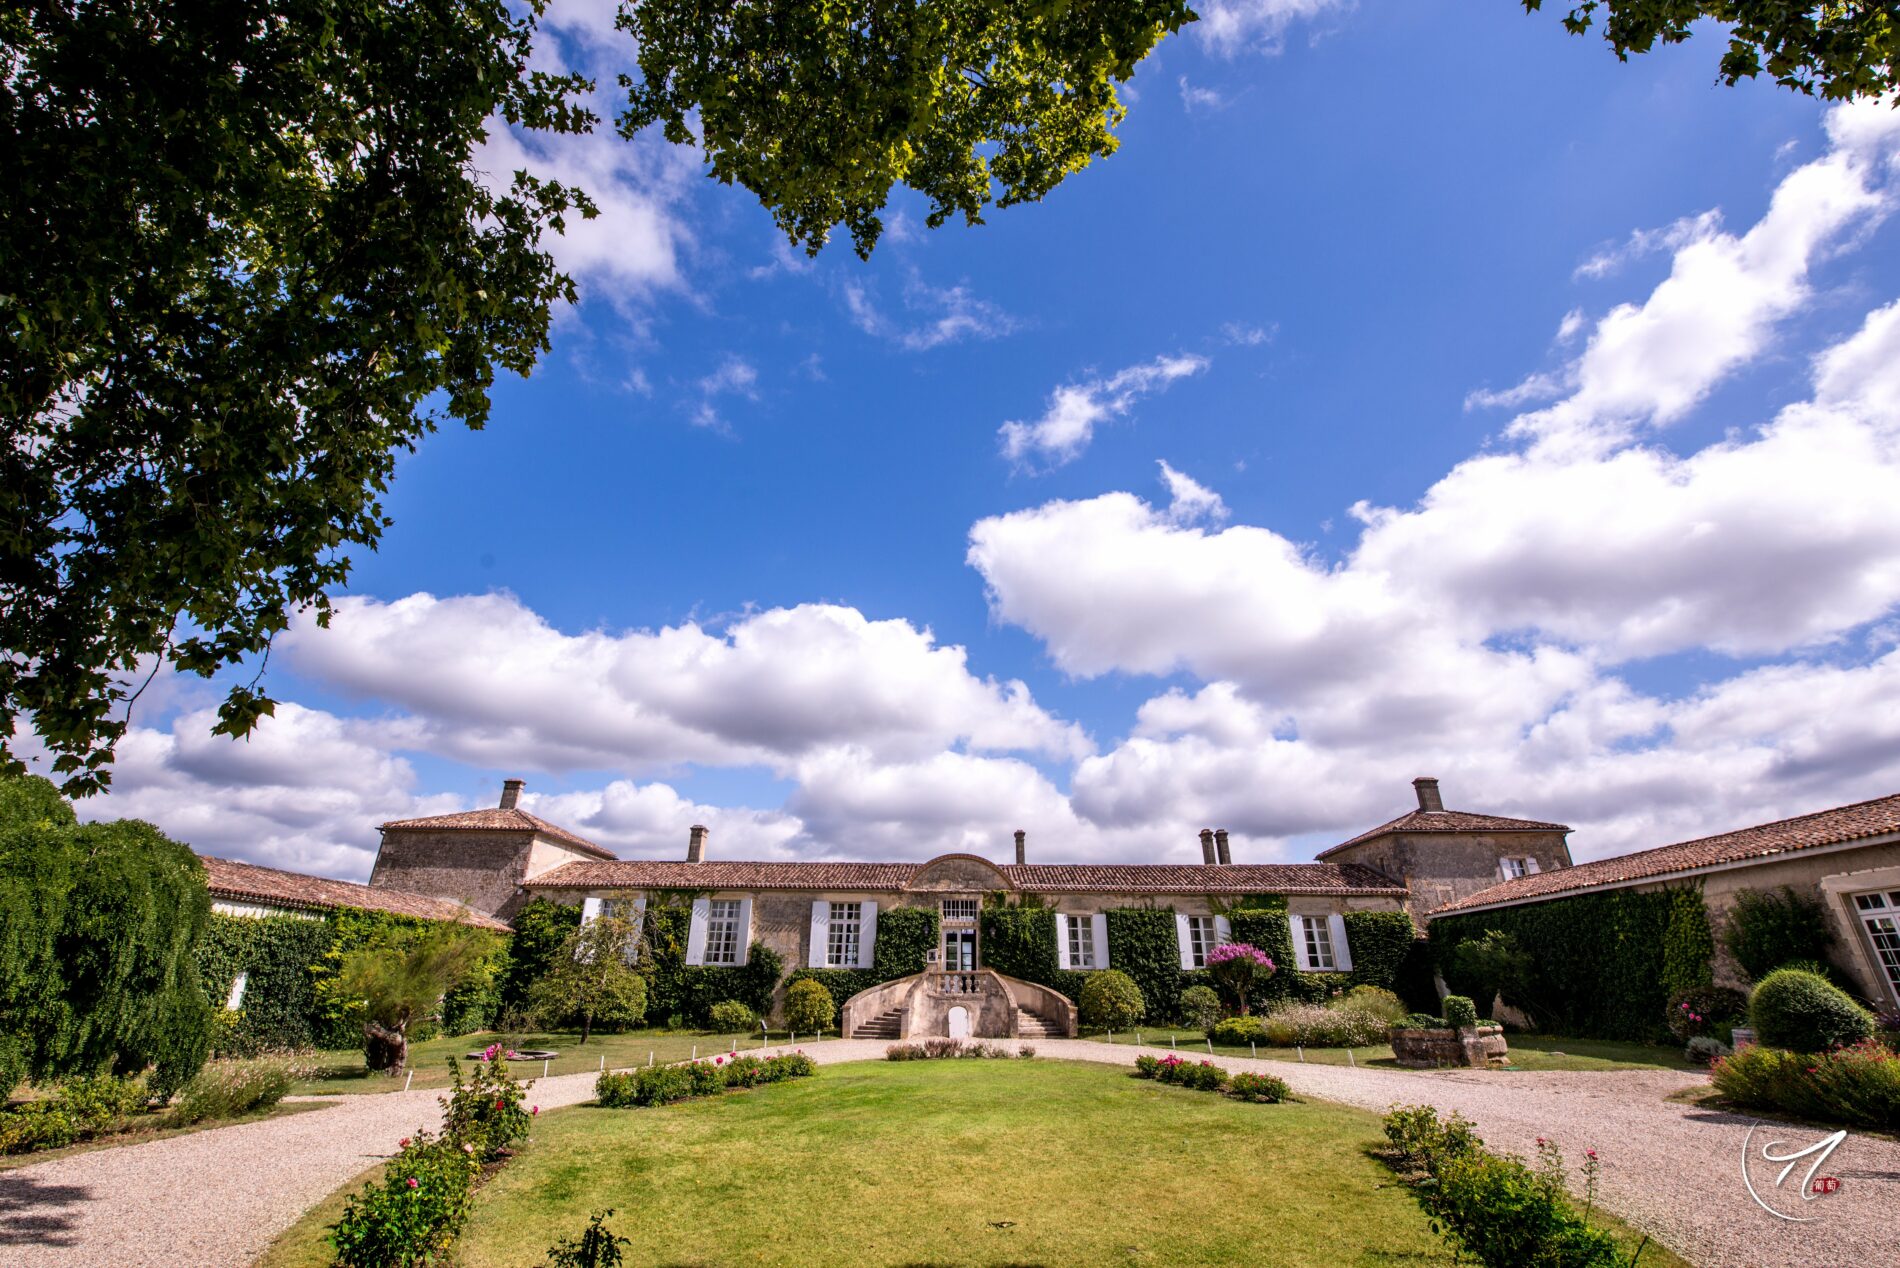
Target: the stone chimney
pixel 1427 789
pixel 511 793
pixel 696 844
pixel 1022 847
pixel 1220 846
pixel 1207 846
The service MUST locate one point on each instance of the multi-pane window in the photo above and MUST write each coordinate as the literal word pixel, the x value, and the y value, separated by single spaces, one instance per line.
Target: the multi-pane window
pixel 1081 942
pixel 1514 868
pixel 1881 914
pixel 955 909
pixel 1319 942
pixel 722 931
pixel 1202 938
pixel 841 941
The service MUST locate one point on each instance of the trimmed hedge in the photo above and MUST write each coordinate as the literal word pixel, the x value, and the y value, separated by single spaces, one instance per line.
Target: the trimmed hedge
pixel 1603 965
pixel 1767 929
pixel 1804 1012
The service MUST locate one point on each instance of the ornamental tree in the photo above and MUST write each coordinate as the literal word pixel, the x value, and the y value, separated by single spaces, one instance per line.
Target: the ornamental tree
pixel 1235 967
pixel 809 1006
pixel 400 979
pixel 248 258
pixel 592 981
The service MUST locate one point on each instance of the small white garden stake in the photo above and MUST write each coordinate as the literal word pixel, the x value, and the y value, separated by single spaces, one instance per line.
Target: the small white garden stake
pixel 1210 1047
pixel 1349 1060
pixel 649 1056
pixel 1302 1051
pixel 1171 1042
pixel 544 1066
pixel 695 1052
pixel 411 1079
pixel 1253 1048
pixel 603 1063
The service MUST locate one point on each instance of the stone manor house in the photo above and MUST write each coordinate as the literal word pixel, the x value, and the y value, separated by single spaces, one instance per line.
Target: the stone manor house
pixel 486 863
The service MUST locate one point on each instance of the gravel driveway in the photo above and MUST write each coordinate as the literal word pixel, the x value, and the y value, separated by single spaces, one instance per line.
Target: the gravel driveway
pixel 215 1199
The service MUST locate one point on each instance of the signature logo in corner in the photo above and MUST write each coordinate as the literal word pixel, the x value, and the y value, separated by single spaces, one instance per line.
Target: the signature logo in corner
pixel 1812 1185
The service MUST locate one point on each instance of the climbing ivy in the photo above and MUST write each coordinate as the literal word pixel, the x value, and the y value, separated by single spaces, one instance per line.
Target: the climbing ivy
pixel 1603 965
pixel 1020 942
pixel 905 938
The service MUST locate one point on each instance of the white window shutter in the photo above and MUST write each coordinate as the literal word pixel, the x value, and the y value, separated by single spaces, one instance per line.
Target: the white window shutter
pixel 820 930
pixel 745 930
pixel 1098 929
pixel 1223 930
pixel 590 910
pixel 1504 873
pixel 1183 939
pixel 696 931
pixel 1342 954
pixel 867 934
pixel 1299 943
pixel 1530 865
pixel 1063 960
pixel 235 1000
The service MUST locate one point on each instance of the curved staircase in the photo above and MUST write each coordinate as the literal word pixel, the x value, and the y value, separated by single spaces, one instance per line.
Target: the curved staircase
pixel 1036 1026
pixel 979 1003
pixel 886 1025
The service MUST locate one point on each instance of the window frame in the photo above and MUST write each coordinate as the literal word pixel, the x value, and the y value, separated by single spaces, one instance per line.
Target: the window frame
pixel 723 932
pixel 1081 939
pixel 844 934
pixel 1203 936
pixel 1316 942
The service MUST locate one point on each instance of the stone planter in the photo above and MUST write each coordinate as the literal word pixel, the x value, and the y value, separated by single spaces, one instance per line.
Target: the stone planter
pixel 1742 1037
pixel 1475 1046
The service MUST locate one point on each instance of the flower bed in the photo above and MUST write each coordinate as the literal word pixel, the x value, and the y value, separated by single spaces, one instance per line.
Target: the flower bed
pixel 1205 1076
pixel 665 1084
pixel 952 1049
pixel 1858 1085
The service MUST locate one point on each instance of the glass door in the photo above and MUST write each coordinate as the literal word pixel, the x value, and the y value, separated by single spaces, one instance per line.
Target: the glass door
pixel 1880 913
pixel 959 950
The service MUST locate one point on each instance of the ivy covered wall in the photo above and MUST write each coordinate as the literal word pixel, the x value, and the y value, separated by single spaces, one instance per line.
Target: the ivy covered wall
pixel 1602 966
pixel 905 938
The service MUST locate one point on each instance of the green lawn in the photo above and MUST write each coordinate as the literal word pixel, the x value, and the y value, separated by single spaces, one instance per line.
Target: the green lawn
pixel 966 1162
pixel 343 1072
pixel 1528 1052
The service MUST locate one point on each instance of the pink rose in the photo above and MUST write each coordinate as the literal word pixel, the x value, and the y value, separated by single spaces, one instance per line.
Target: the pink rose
pixel 535 1110
pixel 403 1143
pixel 412 1182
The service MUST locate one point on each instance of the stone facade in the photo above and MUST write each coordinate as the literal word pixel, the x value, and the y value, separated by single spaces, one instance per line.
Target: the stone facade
pixel 1439 868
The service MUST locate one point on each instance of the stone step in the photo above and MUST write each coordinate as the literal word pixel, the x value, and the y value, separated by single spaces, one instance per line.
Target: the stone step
pixel 884 1026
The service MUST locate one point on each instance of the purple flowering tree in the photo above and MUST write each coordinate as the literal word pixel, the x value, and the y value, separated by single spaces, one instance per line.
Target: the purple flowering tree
pixel 1236 966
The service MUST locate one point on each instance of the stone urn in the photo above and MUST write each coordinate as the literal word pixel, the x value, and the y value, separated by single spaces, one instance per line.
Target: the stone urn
pixel 1430 1048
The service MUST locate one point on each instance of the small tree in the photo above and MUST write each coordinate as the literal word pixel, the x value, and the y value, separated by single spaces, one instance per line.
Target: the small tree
pixel 1111 1000
pixel 1235 965
pixel 809 1006
pixel 1771 928
pixel 399 980
pixel 1200 1007
pixel 592 980
pixel 1492 966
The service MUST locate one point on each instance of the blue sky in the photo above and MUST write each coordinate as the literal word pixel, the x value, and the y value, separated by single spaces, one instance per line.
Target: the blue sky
pixel 753 546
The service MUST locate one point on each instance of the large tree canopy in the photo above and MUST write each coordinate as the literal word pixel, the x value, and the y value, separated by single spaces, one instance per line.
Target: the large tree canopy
pixel 246 259
pixel 1840 49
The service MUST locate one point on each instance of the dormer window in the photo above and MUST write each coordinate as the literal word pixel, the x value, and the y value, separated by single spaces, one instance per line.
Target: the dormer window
pixel 1512 868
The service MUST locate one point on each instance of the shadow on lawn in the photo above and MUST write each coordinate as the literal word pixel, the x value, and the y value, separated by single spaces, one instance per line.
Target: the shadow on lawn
pixel 34 1212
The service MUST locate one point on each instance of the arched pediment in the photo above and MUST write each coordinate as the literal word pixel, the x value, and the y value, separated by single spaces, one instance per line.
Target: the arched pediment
pixel 958 873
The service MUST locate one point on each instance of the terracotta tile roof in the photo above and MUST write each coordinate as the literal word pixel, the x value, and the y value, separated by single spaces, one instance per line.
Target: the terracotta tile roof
pixel 247 882
pixel 1046 878
pixel 495 819
pixel 1878 817
pixel 1448 821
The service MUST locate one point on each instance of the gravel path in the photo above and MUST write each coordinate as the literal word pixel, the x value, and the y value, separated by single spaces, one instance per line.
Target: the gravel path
pixel 215 1199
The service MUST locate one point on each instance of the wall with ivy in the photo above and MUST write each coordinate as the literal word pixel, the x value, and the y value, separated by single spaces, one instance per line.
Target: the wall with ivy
pixel 1603 965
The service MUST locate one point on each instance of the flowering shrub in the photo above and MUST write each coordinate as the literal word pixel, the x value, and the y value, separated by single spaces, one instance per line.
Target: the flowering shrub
pixel 1700 1010
pixel 1858 1085
pixel 1316 1026
pixel 1887 1028
pixel 664 1084
pixel 1495 1208
pixel 415 1212
pixel 226 1089
pixel 1234 967
pixel 486 1112
pixel 79 1110
pixel 1262 1089
pixel 938 1049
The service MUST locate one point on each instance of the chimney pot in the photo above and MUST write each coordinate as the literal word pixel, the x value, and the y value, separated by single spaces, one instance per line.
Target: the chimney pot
pixel 1207 846
pixel 1022 847
pixel 1220 846
pixel 696 844
pixel 511 792
pixel 1428 798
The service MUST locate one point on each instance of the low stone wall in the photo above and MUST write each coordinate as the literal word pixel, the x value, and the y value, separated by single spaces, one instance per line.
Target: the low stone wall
pixel 1476 1046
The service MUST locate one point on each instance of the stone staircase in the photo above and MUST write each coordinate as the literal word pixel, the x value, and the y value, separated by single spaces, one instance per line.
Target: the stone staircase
pixel 883 1026
pixel 1031 1025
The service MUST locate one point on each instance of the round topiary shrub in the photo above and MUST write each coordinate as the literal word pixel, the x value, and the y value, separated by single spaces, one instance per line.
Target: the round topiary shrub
pixel 1804 1012
pixel 1111 1000
pixel 1200 1007
pixel 1237 1032
pixel 1700 1010
pixel 1460 1012
pixel 732 1017
pixel 809 1006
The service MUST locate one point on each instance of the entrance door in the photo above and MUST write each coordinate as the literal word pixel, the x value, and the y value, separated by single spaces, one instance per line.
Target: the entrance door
pixel 959 950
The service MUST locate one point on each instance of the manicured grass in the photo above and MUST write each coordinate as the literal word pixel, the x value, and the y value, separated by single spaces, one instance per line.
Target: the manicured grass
pixel 948 1162
pixel 342 1073
pixel 1528 1052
